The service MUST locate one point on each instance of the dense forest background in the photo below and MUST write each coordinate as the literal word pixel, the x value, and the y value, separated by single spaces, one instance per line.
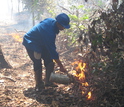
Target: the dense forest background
pixel 96 37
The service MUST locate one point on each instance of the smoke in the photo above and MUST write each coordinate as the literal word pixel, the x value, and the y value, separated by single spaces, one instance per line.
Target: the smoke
pixel 13 17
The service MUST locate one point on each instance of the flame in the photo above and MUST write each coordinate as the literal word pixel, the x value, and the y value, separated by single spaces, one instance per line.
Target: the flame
pixel 89 95
pixel 17 37
pixel 81 67
pixel 85 84
pixel 79 72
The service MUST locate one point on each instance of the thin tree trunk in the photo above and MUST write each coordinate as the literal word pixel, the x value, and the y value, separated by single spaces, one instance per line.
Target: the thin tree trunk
pixel 33 20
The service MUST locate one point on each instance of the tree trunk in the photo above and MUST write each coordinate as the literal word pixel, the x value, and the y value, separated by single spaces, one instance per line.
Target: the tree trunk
pixel 3 62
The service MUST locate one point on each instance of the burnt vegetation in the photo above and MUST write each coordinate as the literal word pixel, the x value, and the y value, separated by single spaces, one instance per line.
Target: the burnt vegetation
pixel 105 57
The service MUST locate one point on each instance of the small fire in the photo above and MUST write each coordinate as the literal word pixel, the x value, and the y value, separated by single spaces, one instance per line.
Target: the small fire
pixel 79 72
pixel 89 95
pixel 17 37
pixel 85 84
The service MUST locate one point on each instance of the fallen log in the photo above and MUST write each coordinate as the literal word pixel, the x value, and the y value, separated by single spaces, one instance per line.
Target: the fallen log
pixel 61 78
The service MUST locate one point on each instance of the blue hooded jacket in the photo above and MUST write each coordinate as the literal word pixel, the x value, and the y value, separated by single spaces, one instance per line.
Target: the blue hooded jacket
pixel 42 35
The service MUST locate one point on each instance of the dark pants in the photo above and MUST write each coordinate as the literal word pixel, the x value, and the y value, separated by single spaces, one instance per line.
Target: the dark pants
pixel 37 63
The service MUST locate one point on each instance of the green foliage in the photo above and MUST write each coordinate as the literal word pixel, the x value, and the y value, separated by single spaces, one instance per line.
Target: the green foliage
pixel 38 7
pixel 77 22
pixel 100 3
pixel 73 17
pixel 51 11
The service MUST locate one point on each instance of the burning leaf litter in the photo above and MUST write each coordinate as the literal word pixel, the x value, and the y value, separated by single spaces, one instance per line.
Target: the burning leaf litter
pixel 17 84
pixel 79 73
pixel 17 37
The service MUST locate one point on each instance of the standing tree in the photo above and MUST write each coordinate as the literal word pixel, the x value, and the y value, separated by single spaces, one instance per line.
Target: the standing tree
pixel 36 8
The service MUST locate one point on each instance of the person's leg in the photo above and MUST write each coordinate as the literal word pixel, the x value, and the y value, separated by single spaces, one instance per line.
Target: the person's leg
pixel 37 65
pixel 49 64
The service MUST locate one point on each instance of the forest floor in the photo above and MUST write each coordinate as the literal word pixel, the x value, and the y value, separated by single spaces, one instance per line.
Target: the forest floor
pixel 17 84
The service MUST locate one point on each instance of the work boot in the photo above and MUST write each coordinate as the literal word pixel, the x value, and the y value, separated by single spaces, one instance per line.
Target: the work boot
pixel 38 79
pixel 49 70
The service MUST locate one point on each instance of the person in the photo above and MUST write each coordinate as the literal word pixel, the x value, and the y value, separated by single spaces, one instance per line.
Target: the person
pixel 39 42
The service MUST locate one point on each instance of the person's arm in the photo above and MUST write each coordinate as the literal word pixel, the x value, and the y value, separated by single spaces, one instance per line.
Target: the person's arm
pixel 62 69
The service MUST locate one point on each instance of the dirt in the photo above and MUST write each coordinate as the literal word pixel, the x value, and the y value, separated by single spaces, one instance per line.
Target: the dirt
pixel 17 84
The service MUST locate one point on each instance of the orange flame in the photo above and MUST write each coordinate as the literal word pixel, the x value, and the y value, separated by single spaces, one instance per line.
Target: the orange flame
pixel 81 67
pixel 85 84
pixel 79 72
pixel 17 37
pixel 89 95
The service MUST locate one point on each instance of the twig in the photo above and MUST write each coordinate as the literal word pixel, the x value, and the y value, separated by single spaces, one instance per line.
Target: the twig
pixel 64 9
pixel 19 31
pixel 9 78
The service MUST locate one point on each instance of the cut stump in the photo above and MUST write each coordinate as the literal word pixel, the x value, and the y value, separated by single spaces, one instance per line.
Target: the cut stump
pixel 3 62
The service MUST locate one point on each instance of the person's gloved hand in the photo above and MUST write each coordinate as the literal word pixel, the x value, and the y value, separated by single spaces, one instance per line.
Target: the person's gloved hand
pixel 62 69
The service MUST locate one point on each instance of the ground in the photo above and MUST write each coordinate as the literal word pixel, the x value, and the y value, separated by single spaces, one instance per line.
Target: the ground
pixel 17 84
